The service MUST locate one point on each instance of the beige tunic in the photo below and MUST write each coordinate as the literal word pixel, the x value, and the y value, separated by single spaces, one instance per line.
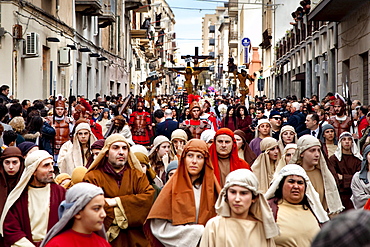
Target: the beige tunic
pixel 317 182
pixel 297 226
pixel 230 232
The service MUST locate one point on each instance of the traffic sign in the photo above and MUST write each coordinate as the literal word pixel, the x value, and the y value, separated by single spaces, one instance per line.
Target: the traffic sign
pixel 246 42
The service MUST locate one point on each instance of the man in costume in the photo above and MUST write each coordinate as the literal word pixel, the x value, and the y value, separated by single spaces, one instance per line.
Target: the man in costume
pixel 345 162
pixel 210 115
pixel 140 124
pixel 127 192
pixel 340 121
pixel 27 216
pixel 61 123
pixel 224 155
pixel 195 124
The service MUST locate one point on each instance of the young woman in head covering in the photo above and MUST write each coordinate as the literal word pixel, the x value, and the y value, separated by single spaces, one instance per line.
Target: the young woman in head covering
pixel 244 217
pixel 296 207
pixel 229 121
pixel 265 164
pixel 178 141
pixel 186 202
pixel 103 119
pixel 244 151
pixel 287 136
pixel 287 155
pixel 262 131
pixel 159 158
pixel 81 219
pixel 243 121
pixel 360 185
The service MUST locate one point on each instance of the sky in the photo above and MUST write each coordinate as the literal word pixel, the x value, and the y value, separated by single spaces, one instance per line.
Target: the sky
pixel 188 25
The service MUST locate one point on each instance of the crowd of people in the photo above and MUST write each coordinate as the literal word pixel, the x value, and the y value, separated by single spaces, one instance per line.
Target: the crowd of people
pixel 175 171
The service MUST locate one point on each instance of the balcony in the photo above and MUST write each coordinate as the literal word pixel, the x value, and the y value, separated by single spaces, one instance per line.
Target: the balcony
pixel 89 7
pixel 330 10
pixel 138 34
pixel 109 13
pixel 266 43
pixel 137 5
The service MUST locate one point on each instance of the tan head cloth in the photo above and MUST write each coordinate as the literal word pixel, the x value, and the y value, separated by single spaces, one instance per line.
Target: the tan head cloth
pixel 262 167
pixel 286 128
pixel 331 191
pixel 132 160
pixel 260 209
pixel 282 162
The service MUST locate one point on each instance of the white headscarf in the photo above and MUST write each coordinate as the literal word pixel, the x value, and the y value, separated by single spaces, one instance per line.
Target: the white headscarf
pixel 77 198
pixel 331 190
pixel 260 209
pixel 31 163
pixel 354 148
pixel 312 196
pixel 207 135
pixel 262 121
pixel 283 129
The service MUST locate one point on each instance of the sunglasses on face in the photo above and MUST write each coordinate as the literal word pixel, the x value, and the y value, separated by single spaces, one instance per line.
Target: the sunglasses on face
pixel 277 118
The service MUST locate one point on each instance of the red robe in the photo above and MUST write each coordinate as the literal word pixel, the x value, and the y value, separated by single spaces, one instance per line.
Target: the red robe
pixel 140 139
pixel 17 222
pixel 96 129
pixel 76 239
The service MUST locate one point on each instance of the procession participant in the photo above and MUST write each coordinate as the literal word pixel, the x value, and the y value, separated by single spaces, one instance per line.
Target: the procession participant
pixel 170 223
pixel 309 156
pixel 291 194
pixel 360 182
pixel 26 217
pixel 265 164
pixel 195 124
pixel 263 130
pixel 81 219
pixel 286 156
pixel 103 119
pixel 345 162
pixel 127 192
pixel 341 122
pixel 61 123
pixel 178 140
pixel 328 139
pixel 80 151
pixel 27 148
pixel 229 121
pixel 120 126
pixel 244 151
pixel 140 124
pixel 224 155
pixel 208 136
pixel 159 158
pixel 243 215
pixel 81 114
pixel 243 121
pixel 209 115
pixel 287 136
pixel 11 169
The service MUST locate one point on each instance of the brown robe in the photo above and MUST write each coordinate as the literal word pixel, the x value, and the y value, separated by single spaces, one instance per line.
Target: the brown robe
pixel 136 196
pixel 347 167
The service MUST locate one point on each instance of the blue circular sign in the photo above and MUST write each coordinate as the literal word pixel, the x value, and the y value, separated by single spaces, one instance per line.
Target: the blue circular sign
pixel 246 42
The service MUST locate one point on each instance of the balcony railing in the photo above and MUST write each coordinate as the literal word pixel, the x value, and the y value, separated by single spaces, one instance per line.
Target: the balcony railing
pixel 89 7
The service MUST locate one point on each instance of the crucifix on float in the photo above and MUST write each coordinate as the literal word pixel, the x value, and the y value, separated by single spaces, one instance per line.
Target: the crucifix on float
pixel 192 71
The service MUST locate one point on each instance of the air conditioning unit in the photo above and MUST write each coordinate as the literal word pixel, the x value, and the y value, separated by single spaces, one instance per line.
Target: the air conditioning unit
pixel 32 44
pixel 64 56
